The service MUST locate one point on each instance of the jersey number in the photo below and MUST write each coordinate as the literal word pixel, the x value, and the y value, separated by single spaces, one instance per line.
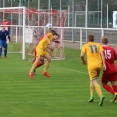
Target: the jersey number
pixel 107 54
pixel 93 48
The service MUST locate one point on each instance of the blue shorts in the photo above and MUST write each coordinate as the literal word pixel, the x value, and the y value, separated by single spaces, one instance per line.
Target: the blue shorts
pixel 3 43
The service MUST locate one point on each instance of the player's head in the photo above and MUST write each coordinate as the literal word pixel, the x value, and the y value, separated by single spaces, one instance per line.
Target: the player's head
pixel 91 37
pixel 104 40
pixel 48 26
pixel 3 28
pixel 55 35
pixel 52 31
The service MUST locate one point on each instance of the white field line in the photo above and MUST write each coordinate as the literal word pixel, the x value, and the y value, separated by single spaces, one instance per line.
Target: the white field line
pixel 69 69
pixel 52 66
pixel 16 102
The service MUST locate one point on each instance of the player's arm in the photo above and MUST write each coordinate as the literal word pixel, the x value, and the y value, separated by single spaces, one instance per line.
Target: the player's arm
pixel 7 37
pixel 82 57
pixel 103 60
pixel 115 55
pixel 56 41
pixel 50 47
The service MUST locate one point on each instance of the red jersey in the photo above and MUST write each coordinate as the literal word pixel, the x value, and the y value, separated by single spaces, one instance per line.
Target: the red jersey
pixel 6 23
pixel 110 57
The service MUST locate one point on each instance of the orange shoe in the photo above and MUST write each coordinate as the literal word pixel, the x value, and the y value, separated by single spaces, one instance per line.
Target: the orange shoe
pixel 31 75
pixel 46 74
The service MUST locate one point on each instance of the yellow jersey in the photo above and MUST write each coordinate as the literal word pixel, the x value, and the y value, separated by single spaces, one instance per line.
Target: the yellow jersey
pixel 43 44
pixel 92 50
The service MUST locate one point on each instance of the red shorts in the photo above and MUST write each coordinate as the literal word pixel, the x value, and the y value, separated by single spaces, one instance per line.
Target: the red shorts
pixel 109 77
pixel 35 52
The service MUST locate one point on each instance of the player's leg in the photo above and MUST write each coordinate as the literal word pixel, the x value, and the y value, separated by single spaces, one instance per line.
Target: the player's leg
pixel 114 85
pixel 105 79
pixel 98 91
pixel 35 68
pixel 94 73
pixel 48 57
pixel 108 88
pixel 5 45
pixel 40 63
pixel 1 44
pixel 114 82
pixel 5 52
pixel 38 55
pixel 92 89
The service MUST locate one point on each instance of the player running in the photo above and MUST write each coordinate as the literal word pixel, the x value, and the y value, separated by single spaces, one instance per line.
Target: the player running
pixel 95 61
pixel 110 74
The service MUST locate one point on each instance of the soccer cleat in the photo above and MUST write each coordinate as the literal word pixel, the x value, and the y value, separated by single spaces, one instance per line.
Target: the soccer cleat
pixel 34 71
pixel 101 101
pixel 46 74
pixel 91 99
pixel 114 101
pixel 114 98
pixel 31 75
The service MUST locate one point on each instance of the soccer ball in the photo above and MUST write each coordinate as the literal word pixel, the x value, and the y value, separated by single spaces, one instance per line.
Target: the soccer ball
pixel 48 25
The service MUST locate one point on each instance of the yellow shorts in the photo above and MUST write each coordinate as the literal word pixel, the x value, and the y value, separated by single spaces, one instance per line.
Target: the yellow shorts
pixel 41 53
pixel 94 71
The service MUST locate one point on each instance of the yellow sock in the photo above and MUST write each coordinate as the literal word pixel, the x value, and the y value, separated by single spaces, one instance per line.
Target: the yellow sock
pixel 33 67
pixel 92 88
pixel 46 66
pixel 98 90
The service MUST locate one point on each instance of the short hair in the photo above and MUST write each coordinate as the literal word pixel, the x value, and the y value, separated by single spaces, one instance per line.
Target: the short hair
pixel 52 31
pixel 104 40
pixel 91 37
pixel 55 34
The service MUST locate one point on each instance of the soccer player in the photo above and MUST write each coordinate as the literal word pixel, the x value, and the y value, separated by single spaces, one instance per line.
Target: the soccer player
pixel 95 61
pixel 41 52
pixel 110 74
pixel 4 39
pixel 41 62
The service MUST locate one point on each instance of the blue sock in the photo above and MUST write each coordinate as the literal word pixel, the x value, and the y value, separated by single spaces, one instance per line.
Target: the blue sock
pixel 0 51
pixel 5 52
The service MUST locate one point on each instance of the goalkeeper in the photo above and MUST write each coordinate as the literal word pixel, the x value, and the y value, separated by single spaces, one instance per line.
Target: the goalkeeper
pixel 4 40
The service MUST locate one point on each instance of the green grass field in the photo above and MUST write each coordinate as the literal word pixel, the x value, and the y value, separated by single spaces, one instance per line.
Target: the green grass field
pixel 64 94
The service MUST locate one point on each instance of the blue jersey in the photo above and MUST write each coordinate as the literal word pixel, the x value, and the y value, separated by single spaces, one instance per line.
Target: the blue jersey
pixel 4 34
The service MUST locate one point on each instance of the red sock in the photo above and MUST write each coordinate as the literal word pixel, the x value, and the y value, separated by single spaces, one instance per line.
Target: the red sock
pixel 115 88
pixel 108 88
pixel 39 64
pixel 33 61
